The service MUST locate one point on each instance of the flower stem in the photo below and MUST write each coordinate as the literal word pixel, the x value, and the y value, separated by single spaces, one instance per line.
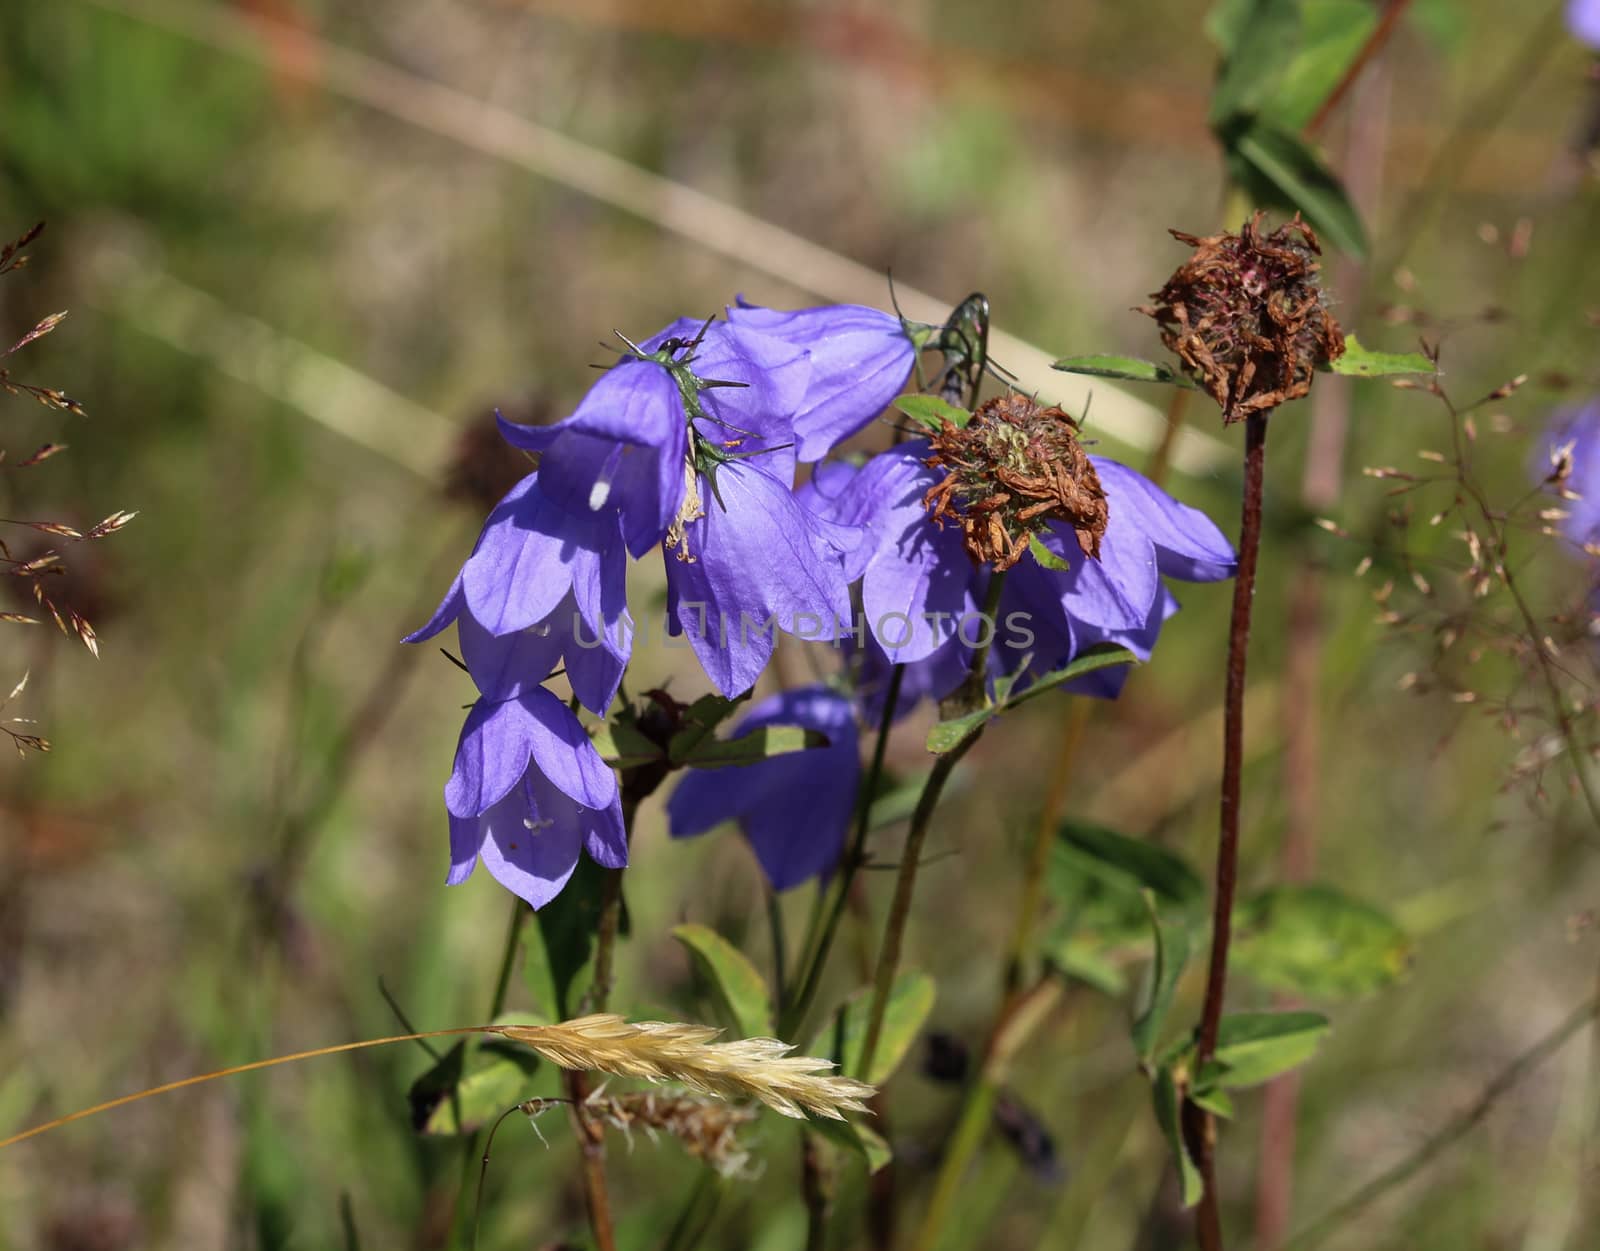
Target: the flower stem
pixel 591 1135
pixel 794 1016
pixel 1199 1125
pixel 971 696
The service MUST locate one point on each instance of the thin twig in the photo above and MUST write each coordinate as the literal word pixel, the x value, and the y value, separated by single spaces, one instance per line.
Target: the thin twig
pixel 1387 21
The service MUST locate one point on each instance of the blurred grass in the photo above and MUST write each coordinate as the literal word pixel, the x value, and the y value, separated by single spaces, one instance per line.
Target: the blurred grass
pixel 1041 159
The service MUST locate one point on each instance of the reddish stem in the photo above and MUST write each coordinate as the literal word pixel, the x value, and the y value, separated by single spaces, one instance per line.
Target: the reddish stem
pixel 1199 1125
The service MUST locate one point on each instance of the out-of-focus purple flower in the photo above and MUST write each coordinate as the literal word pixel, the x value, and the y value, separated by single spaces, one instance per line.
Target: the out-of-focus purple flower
pixel 921 593
pixel 860 359
pixel 1576 431
pixel 528 794
pixel 542 587
pixel 1583 20
pixel 795 809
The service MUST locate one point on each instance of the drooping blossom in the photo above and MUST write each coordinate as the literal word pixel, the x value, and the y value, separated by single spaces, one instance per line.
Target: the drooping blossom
pixel 1100 582
pixel 860 360
pixel 543 587
pixel 794 809
pixel 690 442
pixel 528 794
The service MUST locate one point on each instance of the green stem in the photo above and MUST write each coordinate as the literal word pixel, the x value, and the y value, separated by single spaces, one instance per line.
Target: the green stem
pixel 971 696
pixel 792 1019
pixel 461 1236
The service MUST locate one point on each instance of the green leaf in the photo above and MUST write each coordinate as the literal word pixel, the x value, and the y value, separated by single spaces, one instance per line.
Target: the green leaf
pixel 1216 1100
pixel 760 743
pixel 1332 33
pixel 1129 864
pixel 1254 1047
pixel 1261 39
pixel 1046 557
pixel 1358 362
pixel 622 746
pixel 740 988
pixel 1318 941
pixel 1127 368
pixel 1277 166
pixel 910 1001
pixel 496 1077
pixel 932 412
pixel 700 721
pixel 855 1137
pixel 1086 958
pixel 1168 1104
pixel 1172 956
pixel 946 735
pixel 559 944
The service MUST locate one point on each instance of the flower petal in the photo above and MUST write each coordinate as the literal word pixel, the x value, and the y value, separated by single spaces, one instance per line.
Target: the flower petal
pixel 757 557
pixel 521 567
pixel 449 608
pixel 1114 592
pixel 466 836
pixel 531 850
pixel 1188 543
pixel 491 757
pixel 562 751
pixel 860 360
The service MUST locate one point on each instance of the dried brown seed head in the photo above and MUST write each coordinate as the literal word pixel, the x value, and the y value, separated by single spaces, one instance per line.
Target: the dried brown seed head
pixel 1013 468
pixel 1247 318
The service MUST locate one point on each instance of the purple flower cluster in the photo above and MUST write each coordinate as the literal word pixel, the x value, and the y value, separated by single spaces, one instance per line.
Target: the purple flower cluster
pixel 690 444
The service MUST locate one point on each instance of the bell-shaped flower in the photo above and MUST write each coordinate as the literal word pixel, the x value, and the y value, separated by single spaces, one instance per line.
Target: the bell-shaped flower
pixel 542 587
pixel 860 360
pixel 794 809
pixel 628 446
pixel 528 795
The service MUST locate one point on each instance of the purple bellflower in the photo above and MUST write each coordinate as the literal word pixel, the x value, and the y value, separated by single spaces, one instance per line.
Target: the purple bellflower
pixel 860 360
pixel 689 441
pixel 542 587
pixel 528 794
pixel 795 809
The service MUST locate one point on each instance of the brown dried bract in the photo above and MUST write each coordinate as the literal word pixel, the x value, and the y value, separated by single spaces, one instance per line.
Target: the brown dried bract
pixel 1011 470
pixel 1247 318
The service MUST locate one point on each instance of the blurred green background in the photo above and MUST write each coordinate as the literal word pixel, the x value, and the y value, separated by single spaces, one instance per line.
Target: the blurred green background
pixel 300 280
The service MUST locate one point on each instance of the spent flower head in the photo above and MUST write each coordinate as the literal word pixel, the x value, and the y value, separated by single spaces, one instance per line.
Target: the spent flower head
pixel 1247 317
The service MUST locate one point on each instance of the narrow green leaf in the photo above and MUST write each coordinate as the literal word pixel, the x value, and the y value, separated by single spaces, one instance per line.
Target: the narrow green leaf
pixel 1046 557
pixel 1074 955
pixel 910 1001
pixel 1131 864
pixel 622 746
pixel 946 735
pixel 1168 1105
pixel 932 412
pixel 1172 957
pixel 1262 42
pixel 1358 362
pixel 741 990
pixel 700 721
pixel 1332 33
pixel 1317 941
pixel 559 944
pixel 1127 368
pixel 1277 165
pixel 854 1137
pixel 761 743
pixel 1216 1100
pixel 1254 1047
